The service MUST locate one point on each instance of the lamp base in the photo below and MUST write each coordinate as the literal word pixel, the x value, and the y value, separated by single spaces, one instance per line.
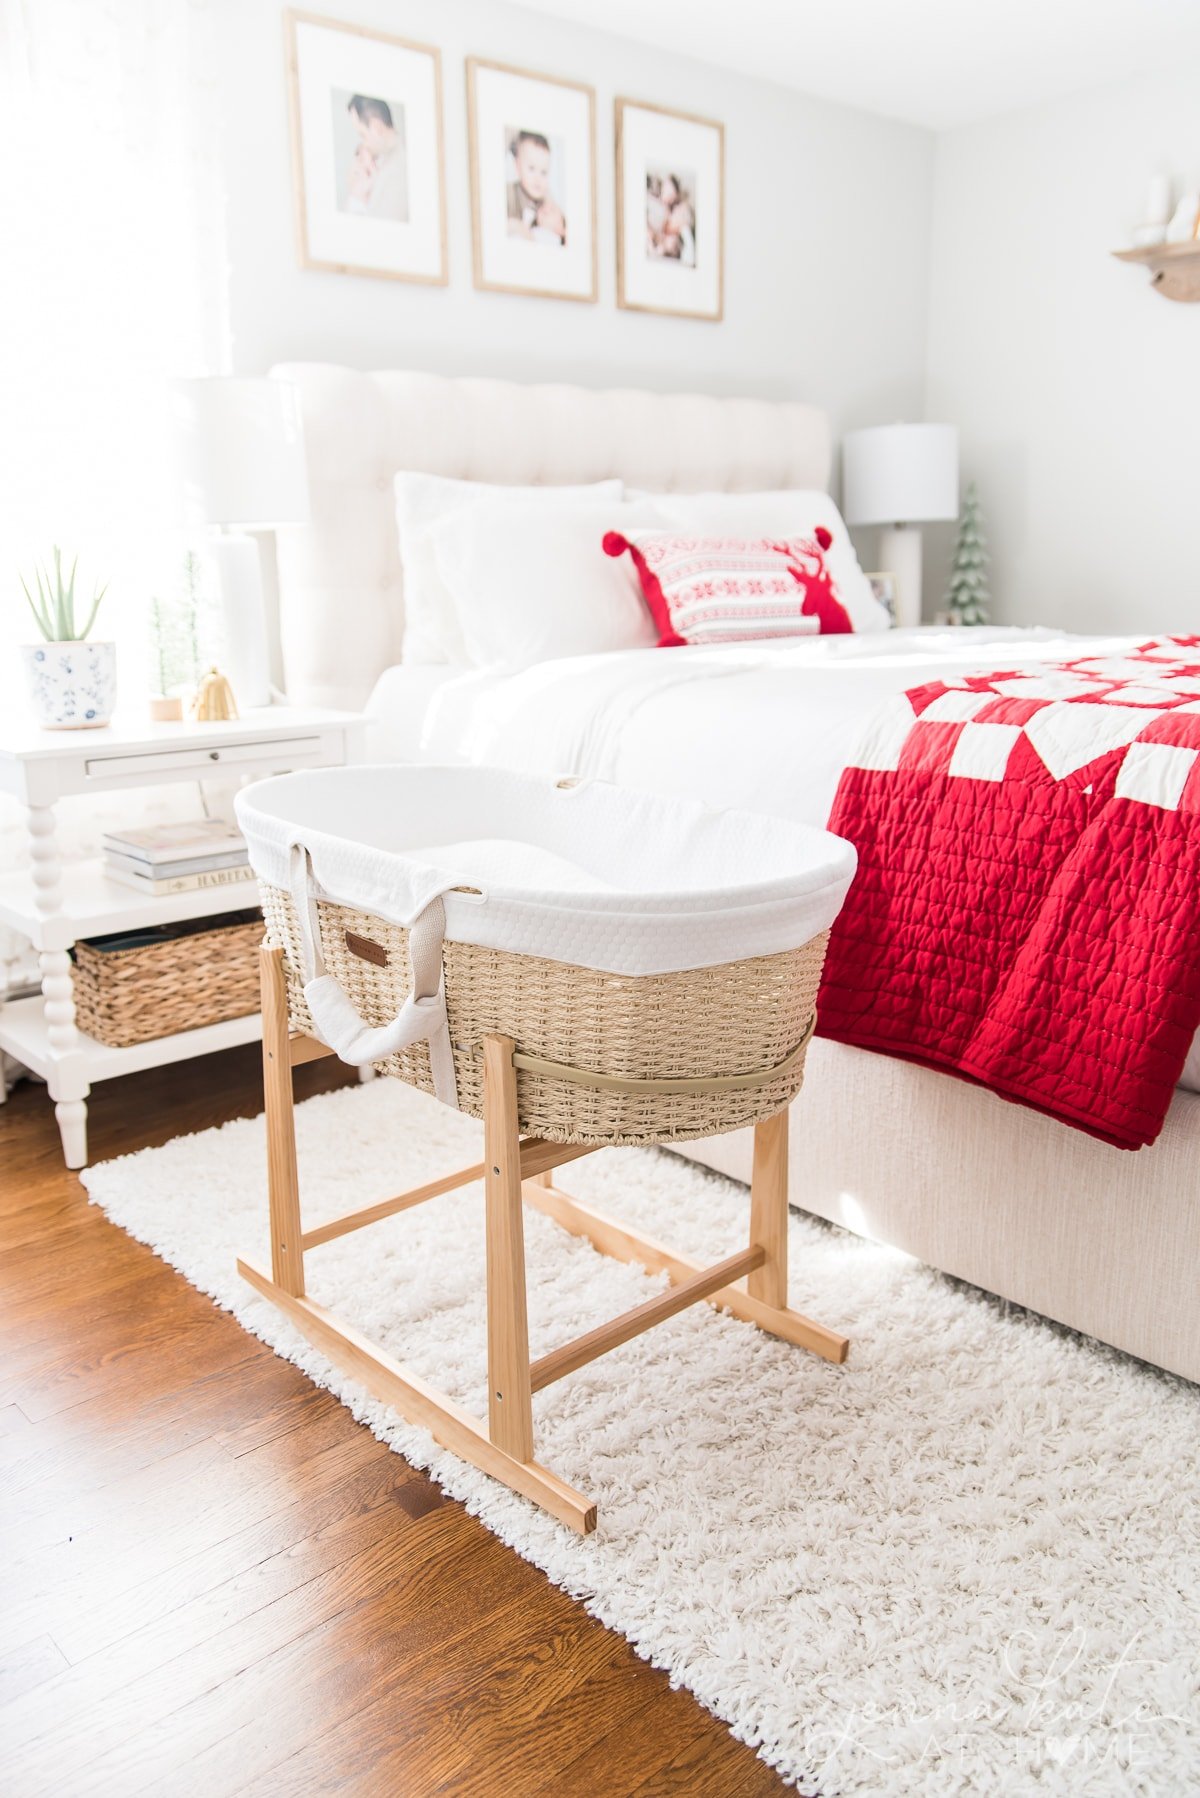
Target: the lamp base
pixel 900 555
pixel 246 663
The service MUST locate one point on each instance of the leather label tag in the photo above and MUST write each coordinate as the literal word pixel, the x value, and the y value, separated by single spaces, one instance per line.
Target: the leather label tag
pixel 366 950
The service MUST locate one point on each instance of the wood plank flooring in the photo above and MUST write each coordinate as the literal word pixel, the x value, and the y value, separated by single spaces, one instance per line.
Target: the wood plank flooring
pixel 212 1581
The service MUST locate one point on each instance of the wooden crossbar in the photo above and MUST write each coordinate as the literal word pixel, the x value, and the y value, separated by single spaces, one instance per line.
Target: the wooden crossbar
pixel 371 1214
pixel 624 1244
pixel 537 1157
pixel 303 1048
pixel 582 1349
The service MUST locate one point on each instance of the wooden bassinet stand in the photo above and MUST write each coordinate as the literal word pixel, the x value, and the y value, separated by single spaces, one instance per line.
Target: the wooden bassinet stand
pixel 516 1172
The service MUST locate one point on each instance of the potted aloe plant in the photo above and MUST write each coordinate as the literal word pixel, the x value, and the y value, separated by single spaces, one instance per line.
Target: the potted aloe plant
pixel 72 682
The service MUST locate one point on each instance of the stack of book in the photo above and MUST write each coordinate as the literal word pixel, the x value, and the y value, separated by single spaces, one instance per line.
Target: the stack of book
pixel 177 858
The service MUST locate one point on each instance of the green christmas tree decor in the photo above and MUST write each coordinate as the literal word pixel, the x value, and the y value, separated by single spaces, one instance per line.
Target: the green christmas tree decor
pixel 967 597
pixel 177 630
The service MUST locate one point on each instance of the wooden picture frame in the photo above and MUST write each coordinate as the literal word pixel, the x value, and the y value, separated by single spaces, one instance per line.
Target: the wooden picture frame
pixel 683 274
pixel 377 208
pixel 513 112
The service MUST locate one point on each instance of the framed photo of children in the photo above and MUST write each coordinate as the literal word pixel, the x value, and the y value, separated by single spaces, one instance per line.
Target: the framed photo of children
pixel 670 212
pixel 533 182
pixel 367 151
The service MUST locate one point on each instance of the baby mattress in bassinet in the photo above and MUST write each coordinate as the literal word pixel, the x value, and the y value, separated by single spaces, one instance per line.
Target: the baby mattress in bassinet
pixel 654 961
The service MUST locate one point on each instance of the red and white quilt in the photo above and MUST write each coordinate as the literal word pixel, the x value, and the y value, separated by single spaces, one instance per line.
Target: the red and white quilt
pixel 1027 907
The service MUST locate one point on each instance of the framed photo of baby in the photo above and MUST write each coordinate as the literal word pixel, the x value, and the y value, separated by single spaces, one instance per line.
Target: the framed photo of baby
pixel 533 182
pixel 367 151
pixel 670 212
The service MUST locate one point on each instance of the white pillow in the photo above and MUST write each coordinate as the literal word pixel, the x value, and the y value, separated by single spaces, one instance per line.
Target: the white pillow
pixel 531 582
pixel 431 630
pixel 787 512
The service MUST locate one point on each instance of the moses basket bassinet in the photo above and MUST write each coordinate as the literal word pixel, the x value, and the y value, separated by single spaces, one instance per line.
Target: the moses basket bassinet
pixel 579 966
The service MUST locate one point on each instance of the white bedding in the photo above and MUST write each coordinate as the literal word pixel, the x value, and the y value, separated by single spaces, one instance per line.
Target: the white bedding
pixel 763 727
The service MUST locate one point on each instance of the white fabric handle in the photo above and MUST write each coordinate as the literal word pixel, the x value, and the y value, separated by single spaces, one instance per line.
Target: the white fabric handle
pixel 422 1017
pixel 358 1042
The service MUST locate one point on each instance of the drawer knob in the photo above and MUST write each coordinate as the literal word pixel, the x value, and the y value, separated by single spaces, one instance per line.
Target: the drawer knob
pixel 214 755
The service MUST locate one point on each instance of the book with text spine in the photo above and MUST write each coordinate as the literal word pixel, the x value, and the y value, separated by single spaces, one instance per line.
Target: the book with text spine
pixel 179 883
pixel 199 864
pixel 188 841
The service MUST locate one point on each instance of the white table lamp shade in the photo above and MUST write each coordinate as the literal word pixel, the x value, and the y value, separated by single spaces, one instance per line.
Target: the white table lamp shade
pixel 900 474
pixel 242 444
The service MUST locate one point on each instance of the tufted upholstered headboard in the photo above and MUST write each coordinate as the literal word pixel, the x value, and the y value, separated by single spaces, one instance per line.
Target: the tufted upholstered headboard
pixel 341 603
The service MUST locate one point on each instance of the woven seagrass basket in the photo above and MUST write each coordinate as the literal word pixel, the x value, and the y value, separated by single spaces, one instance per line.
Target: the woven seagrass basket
pixel 739 1030
pixel 206 976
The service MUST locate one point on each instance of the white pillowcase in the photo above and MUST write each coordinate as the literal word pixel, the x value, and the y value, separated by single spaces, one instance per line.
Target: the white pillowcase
pixel 531 582
pixel 788 512
pixel 431 628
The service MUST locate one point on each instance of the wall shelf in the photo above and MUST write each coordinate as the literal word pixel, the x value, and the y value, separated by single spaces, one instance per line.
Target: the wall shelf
pixel 1175 268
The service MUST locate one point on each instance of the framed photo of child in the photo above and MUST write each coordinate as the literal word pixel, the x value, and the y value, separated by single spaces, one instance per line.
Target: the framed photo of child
pixel 367 151
pixel 670 212
pixel 533 182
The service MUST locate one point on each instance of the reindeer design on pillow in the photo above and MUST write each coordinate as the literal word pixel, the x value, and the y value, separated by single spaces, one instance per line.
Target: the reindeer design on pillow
pixel 820 595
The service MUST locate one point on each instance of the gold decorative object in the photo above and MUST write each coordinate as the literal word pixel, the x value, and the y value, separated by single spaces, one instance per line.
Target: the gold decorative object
pixel 213 699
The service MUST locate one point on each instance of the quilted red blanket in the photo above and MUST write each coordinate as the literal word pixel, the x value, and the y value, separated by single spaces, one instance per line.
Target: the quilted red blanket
pixel 1027 907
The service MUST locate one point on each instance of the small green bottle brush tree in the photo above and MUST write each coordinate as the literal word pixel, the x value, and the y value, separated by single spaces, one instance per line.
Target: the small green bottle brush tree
pixel 968 597
pixel 175 632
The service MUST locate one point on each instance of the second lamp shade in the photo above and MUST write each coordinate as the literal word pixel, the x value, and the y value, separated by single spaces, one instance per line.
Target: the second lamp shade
pixel 900 474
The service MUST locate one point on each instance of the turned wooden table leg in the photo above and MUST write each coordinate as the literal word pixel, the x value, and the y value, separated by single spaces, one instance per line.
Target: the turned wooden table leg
pixel 510 1413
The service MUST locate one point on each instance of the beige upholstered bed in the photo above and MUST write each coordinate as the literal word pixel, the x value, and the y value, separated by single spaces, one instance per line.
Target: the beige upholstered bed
pixel 1104 1241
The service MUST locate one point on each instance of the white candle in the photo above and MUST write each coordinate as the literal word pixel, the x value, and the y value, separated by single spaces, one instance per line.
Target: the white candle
pixel 1158 200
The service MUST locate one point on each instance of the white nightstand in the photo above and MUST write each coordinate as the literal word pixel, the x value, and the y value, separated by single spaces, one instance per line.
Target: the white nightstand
pixel 56 903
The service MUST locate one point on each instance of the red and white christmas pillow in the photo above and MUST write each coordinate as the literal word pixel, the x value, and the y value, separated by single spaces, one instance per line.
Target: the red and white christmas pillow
pixel 704 590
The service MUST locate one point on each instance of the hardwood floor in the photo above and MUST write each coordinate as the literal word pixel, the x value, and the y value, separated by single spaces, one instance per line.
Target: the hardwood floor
pixel 214 1581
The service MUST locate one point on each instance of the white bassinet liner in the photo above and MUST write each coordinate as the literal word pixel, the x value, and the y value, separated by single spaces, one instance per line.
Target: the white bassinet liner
pixel 585 873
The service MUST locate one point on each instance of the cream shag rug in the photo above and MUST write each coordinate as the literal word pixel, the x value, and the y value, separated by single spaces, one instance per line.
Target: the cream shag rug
pixel 965 1562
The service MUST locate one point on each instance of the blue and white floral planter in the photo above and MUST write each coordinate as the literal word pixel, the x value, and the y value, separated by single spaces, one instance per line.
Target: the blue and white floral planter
pixel 73 686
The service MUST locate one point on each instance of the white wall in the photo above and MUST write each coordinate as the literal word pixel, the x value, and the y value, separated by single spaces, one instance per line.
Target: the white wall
pixel 1074 385
pixel 827 223
pixel 870 268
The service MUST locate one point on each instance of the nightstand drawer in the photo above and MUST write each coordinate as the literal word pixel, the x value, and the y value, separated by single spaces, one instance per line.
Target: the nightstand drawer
pixel 284 752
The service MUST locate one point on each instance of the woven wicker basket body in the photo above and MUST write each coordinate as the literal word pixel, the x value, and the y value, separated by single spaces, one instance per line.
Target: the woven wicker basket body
pixel 702 1024
pixel 127 996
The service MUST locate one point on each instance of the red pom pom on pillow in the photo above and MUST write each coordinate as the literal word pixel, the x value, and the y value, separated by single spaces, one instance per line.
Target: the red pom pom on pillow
pixel 734 589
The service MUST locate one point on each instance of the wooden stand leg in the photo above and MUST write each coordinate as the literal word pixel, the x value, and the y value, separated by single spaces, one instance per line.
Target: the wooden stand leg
pixel 769 1210
pixel 423 1404
pixel 287 1253
pixel 504 1448
pixel 510 1414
